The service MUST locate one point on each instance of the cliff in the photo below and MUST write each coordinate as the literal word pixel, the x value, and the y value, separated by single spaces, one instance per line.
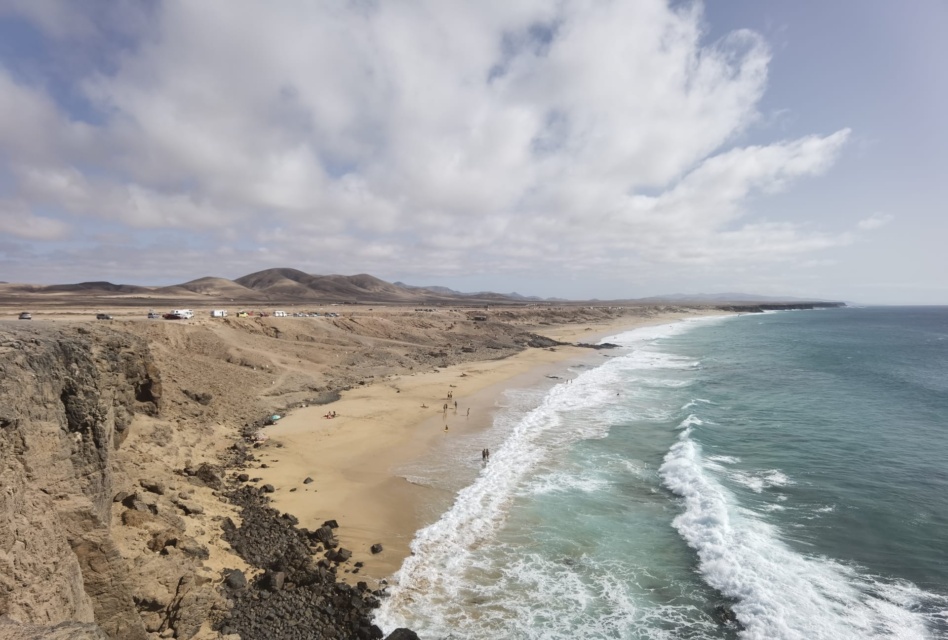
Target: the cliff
pixel 67 398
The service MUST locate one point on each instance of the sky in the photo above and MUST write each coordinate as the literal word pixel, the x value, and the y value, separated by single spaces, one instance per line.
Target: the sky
pixel 604 149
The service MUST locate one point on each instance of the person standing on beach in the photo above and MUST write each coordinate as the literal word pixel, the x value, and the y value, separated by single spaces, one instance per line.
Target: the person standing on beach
pixel 455 406
pixel 468 412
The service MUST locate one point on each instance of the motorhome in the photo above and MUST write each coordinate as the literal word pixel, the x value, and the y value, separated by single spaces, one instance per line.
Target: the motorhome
pixel 219 313
pixel 279 314
pixel 183 314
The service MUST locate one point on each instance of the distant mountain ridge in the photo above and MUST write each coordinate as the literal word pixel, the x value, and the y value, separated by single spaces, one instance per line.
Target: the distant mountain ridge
pixel 288 285
pixel 480 294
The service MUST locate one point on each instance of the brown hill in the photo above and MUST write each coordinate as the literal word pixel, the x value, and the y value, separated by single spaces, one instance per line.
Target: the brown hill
pixel 279 284
pixel 212 287
pixel 363 286
pixel 260 280
pixel 287 283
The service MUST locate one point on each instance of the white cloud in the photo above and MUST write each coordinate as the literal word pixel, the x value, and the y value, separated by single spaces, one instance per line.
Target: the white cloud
pixel 875 221
pixel 449 138
pixel 17 220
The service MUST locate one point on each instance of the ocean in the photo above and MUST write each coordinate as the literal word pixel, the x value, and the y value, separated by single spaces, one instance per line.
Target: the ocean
pixel 789 467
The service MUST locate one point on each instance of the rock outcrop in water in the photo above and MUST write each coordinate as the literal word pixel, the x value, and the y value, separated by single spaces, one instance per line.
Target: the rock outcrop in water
pixel 751 307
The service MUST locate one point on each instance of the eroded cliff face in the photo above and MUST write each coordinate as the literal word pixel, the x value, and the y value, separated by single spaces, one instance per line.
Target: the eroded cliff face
pixel 67 397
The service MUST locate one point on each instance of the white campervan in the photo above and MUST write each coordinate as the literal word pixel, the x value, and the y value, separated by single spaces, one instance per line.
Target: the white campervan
pixel 184 314
pixel 279 314
pixel 218 313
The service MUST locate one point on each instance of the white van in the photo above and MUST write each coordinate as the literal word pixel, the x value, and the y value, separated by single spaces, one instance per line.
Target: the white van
pixel 279 314
pixel 184 314
pixel 219 313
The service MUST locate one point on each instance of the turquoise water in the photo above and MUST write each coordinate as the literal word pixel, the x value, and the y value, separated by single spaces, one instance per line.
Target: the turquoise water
pixel 792 466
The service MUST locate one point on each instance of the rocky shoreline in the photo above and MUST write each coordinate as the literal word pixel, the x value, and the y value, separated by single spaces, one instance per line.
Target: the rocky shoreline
pixel 295 597
pixel 295 594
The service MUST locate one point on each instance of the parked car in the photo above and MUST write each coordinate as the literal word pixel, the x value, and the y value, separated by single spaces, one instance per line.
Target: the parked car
pixel 26 315
pixel 154 315
pixel 103 316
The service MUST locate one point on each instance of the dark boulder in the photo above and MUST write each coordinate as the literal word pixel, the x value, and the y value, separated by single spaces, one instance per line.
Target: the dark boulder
pixel 598 347
pixel 403 634
pixel 724 615
pixel 338 556
pixel 325 535
pixel 376 548
pixel 273 580
pixel 235 579
pixel 209 475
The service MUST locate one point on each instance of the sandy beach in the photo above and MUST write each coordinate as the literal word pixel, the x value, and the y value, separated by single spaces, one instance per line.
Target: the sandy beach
pixel 352 458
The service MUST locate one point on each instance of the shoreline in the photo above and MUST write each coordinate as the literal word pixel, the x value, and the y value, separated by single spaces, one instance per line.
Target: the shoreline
pixel 354 459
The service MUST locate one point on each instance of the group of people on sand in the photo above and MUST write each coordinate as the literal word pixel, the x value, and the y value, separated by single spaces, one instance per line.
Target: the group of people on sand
pixel 330 415
pixel 446 406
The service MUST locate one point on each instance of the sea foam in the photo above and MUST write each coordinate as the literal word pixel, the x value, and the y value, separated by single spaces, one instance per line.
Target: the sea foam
pixel 779 593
